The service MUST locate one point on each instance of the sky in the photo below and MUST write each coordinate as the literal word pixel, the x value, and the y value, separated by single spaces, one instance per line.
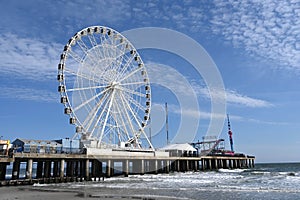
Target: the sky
pixel 254 45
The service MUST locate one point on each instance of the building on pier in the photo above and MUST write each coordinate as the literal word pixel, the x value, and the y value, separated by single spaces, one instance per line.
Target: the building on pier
pixel 47 146
pixel 183 149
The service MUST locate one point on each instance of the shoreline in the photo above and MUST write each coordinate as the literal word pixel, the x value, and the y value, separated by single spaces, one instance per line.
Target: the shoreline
pixel 31 192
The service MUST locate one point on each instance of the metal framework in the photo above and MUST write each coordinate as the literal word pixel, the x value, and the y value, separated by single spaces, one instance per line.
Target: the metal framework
pixel 105 88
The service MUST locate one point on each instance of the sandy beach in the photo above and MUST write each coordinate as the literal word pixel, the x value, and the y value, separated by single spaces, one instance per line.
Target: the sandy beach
pixel 45 193
pixel 29 192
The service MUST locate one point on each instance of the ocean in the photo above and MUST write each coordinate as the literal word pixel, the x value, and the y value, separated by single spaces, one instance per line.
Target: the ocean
pixel 265 181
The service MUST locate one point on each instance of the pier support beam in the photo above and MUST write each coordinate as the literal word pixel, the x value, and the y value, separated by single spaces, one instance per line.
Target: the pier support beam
pixel 87 169
pixel 187 165
pixel 209 164
pixel 216 164
pixel 55 169
pixel 138 166
pixel 155 167
pixel 196 163
pixel 29 169
pixel 62 169
pixel 16 170
pixel 3 171
pixel 178 165
pixel 75 168
pixel 47 169
pixel 125 167
pixel 108 169
pixel 167 166
pixel 82 169
pixel 39 169
pixel 224 161
pixel 97 169
pixel 234 164
pixel 230 164
pixel 142 172
pixel 172 166
pixel 220 163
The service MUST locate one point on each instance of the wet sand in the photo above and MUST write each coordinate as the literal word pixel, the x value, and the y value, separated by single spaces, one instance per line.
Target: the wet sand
pixel 44 193
pixel 29 192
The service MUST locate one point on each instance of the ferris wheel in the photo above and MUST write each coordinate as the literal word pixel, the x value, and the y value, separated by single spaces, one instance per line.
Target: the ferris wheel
pixel 105 88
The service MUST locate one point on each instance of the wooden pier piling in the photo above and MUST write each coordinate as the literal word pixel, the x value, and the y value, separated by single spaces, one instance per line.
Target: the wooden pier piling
pixel 57 168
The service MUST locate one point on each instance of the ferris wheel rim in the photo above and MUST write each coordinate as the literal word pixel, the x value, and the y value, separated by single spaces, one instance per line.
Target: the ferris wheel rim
pixel 125 90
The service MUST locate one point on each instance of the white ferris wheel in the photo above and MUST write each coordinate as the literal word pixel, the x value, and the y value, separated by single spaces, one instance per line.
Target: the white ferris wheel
pixel 105 88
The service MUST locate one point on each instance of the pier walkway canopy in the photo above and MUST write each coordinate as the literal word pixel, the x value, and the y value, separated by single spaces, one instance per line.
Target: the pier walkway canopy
pixel 183 149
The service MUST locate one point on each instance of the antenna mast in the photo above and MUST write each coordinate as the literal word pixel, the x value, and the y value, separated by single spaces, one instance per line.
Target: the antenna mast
pixel 230 134
pixel 167 123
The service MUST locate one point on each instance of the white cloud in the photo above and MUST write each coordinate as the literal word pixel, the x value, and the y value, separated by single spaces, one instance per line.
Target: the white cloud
pixel 169 76
pixel 24 63
pixel 265 29
pixel 29 94
pixel 208 115
pixel 28 58
pixel 232 97
pixel 235 98
pixel 194 113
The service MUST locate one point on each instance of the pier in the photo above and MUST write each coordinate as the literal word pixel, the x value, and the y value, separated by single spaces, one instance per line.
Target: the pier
pixel 58 168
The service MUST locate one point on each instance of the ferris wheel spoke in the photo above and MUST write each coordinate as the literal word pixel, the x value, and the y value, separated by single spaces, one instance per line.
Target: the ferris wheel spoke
pixel 115 125
pixel 129 120
pixel 131 74
pixel 92 114
pixel 115 119
pixel 75 56
pixel 134 102
pixel 96 46
pixel 132 83
pixel 119 58
pixel 106 117
pixel 126 66
pixel 86 88
pixel 92 40
pixel 122 119
pixel 82 46
pixel 91 99
pixel 132 91
pixel 79 75
pixel 106 46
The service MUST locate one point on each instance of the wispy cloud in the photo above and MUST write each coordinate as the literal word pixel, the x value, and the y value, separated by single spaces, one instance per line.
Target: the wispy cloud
pixel 265 29
pixel 29 94
pixel 27 61
pixel 28 58
pixel 268 30
pixel 194 113
pixel 236 98
pixel 208 115
pixel 168 76
pixel 232 97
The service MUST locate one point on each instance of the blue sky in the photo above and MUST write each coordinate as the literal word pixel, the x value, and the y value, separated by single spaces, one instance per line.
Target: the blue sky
pixel 254 44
